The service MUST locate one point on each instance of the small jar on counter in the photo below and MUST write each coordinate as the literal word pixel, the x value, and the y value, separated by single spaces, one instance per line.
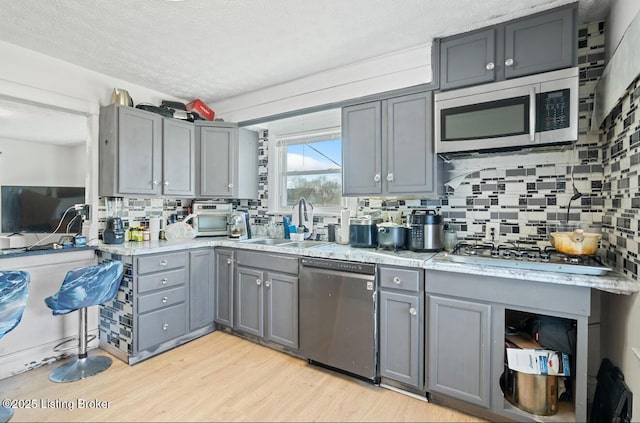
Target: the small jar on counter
pixel 133 233
pixel 146 235
pixel 140 235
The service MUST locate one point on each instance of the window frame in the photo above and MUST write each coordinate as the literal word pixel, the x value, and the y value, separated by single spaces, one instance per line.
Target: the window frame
pixel 278 174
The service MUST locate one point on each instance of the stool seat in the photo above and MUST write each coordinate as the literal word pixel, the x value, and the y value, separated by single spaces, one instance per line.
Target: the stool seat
pixel 82 288
pixel 14 291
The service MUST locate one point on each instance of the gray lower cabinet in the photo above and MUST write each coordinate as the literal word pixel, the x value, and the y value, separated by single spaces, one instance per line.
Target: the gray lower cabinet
pixel 223 286
pixel 164 300
pixel 537 43
pixel 228 161
pixel 201 288
pixel 142 153
pixel 467 317
pixel 402 326
pixel 266 297
pixel 459 349
pixel 388 147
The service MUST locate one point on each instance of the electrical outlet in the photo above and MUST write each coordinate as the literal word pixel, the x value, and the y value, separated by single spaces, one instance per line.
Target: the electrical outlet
pixel 493 231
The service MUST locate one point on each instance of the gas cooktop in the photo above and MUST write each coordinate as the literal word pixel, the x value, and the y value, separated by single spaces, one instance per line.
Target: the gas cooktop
pixel 526 257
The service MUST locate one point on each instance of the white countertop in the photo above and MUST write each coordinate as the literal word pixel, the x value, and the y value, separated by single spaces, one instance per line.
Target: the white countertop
pixel 611 282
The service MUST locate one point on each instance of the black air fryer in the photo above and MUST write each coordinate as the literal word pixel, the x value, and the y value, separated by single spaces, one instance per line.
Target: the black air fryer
pixel 113 231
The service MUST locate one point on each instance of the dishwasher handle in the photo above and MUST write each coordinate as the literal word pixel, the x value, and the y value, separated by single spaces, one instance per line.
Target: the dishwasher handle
pixel 339 265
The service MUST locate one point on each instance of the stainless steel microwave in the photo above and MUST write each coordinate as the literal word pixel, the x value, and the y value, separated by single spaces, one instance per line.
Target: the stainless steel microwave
pixel 530 111
pixel 211 218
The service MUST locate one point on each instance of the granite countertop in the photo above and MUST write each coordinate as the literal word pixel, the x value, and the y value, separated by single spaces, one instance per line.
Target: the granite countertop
pixel 611 282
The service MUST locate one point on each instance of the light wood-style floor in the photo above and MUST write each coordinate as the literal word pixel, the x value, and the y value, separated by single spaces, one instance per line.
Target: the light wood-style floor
pixel 218 377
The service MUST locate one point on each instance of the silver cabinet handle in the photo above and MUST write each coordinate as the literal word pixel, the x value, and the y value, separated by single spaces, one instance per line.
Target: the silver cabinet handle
pixel 164 281
pixel 163 263
pixel 166 183
pixel 508 62
pixel 154 182
pixel 258 282
pixel 165 326
pixel 230 185
pixel 376 177
pixel 165 299
pixel 390 177
pixel 229 261
pixel 267 283
pixel 397 280
pixel 490 66
pixel 412 311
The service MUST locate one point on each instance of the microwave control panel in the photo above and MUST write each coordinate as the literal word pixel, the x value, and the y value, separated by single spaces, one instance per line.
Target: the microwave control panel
pixel 553 110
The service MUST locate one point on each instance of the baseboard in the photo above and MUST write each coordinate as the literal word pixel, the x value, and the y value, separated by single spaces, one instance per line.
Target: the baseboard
pixel 40 355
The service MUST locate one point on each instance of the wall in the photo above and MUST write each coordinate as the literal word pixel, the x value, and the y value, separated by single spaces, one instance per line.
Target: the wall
pixel 392 71
pixel 620 16
pixel 53 83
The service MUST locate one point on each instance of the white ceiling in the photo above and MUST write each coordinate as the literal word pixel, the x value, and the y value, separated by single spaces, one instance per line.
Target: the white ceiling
pixel 216 49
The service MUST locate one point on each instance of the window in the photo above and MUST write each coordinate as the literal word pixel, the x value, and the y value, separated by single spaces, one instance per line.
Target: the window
pixel 305 160
pixel 311 167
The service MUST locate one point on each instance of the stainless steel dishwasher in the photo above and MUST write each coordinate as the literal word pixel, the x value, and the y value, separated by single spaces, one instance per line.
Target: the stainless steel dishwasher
pixel 338 323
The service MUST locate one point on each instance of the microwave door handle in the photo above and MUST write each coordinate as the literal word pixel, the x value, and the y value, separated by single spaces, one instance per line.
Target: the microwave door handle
pixel 532 114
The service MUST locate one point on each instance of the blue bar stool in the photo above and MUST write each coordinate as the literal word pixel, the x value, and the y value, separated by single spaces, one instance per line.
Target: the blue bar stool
pixel 80 289
pixel 14 290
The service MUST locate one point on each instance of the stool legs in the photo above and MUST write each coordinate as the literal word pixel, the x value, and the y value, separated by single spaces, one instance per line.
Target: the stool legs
pixel 83 366
pixel 5 414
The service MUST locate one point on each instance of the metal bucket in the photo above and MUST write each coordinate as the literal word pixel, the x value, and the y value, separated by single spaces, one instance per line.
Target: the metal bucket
pixel 536 394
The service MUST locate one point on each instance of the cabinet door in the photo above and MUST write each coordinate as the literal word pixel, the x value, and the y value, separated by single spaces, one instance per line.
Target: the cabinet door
pixel 178 158
pixel 282 309
pixel 459 349
pixel 223 287
pixel 139 151
pixel 217 161
pixel 411 159
pixel 250 301
pixel 400 348
pixel 201 291
pixel 539 44
pixel 468 59
pixel 362 149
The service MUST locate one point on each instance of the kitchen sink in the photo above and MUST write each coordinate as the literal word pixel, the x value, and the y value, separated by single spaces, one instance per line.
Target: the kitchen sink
pixel 266 241
pixel 285 243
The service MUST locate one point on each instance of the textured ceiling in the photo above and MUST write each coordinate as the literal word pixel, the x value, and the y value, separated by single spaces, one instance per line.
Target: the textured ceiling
pixel 216 49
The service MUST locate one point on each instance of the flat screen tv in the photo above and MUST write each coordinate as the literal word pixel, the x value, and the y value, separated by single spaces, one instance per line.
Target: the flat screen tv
pixel 39 209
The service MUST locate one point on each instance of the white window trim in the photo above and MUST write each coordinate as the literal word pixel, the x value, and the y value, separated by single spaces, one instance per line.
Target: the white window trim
pixel 276 181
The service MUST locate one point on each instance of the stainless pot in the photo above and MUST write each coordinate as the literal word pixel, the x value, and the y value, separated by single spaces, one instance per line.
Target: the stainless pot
pixel 363 231
pixel 391 235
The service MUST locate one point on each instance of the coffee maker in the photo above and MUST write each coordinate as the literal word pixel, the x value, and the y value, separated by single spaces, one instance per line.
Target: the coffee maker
pixel 113 230
pixel 239 227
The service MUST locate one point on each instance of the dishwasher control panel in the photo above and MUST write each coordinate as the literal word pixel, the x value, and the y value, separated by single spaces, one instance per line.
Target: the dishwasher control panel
pixel 344 266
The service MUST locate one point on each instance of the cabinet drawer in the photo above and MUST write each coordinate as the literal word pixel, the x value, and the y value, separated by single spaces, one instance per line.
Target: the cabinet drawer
pixel 161 280
pixel 162 325
pixel 404 279
pixel 268 261
pixel 158 262
pixel 165 298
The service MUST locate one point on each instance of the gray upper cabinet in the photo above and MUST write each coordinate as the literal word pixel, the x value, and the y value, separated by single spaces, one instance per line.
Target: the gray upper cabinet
pixel 468 59
pixel 130 151
pixel 541 43
pixel 459 349
pixel 142 153
pixel 388 147
pixel 362 149
pixel 228 161
pixel 178 158
pixel 411 162
pixel 224 268
pixel 201 288
pixel 538 43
